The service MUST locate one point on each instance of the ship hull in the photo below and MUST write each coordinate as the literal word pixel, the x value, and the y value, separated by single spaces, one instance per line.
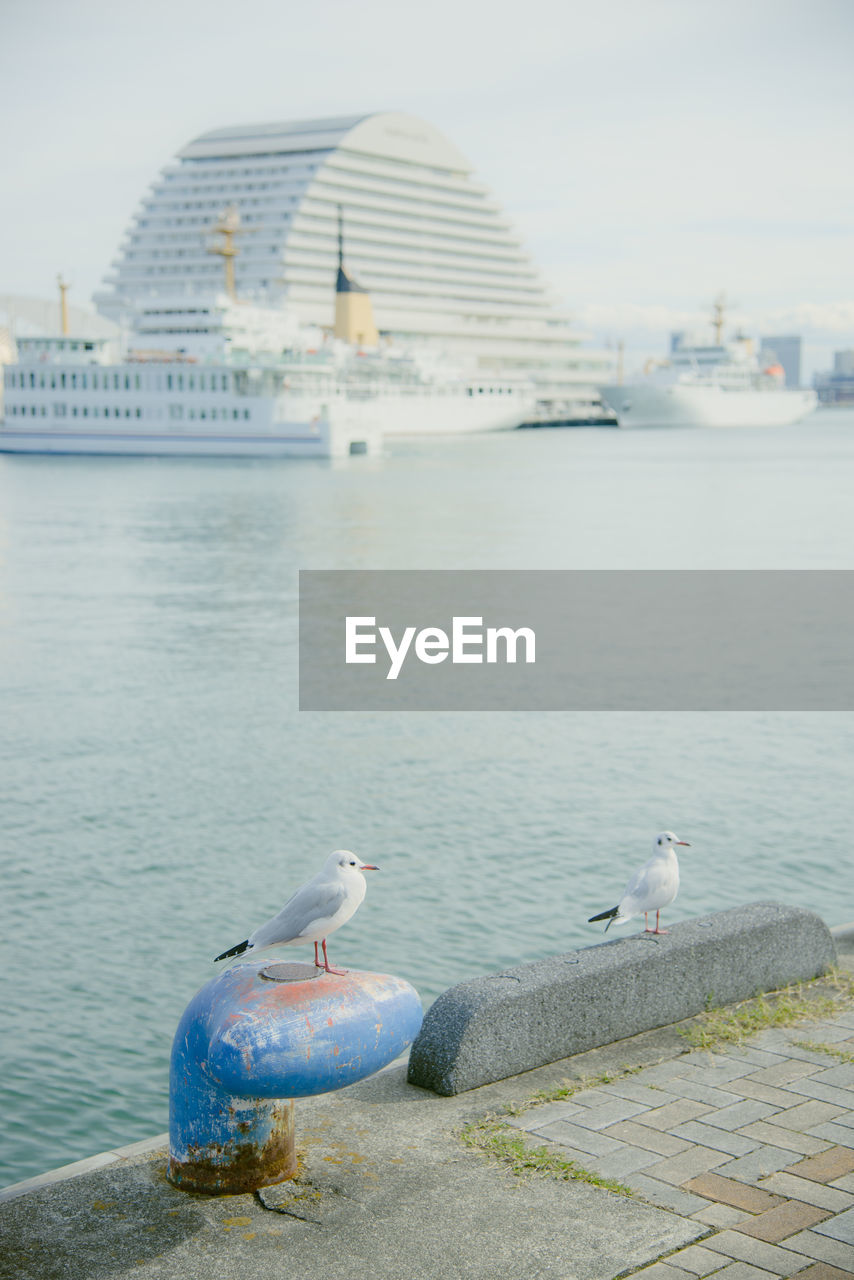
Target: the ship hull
pixel 437 415
pixel 172 445
pixel 674 405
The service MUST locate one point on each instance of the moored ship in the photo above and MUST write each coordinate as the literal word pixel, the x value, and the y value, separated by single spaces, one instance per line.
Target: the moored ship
pixel 214 375
pixel 719 384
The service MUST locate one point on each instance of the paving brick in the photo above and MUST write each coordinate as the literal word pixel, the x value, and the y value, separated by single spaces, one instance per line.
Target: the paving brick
pixel 620 1164
pixel 720 1215
pixel 759 1057
pixel 840 1134
pixel 710 1057
pixel 735 1244
pixel 834 1163
pixel 823 1271
pixel 840 1228
pixel 582 1158
pixel 536 1117
pixel 664 1195
pixel 817 1193
pixel 744 1271
pixel 809 1088
pixel 829 1032
pixel 663 1271
pixel 784 1073
pixel 758 1164
pixel 822 1249
pixel 589 1098
pixel 662 1073
pixel 567 1134
pixel 845 1183
pixel 734 1144
pixel 718 1072
pixel 696 1260
pixel 780 1039
pixel 804 1115
pixel 690 1087
pixel 609 1112
pixel 800 1053
pixel 842 1117
pixel 678 1169
pixel 641 1093
pixel 841 1076
pixel 714 1187
pixel 673 1113
pixel 741 1113
pixel 639 1135
pixel 789 1139
pixel 776 1224
pixel 768 1093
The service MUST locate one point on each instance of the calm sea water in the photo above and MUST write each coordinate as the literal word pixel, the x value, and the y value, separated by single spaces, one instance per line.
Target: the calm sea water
pixel 161 795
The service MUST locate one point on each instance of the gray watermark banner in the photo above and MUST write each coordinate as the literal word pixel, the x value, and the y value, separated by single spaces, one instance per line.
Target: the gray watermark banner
pixel 576 640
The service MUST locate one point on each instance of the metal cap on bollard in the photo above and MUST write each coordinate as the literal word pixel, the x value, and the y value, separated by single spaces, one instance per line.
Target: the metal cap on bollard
pixel 256 1037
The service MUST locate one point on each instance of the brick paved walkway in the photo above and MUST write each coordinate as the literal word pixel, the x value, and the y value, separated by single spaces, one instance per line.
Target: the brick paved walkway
pixel 755 1140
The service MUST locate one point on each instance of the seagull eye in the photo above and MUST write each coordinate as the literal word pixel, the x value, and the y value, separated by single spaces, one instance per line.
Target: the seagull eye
pixel 352 863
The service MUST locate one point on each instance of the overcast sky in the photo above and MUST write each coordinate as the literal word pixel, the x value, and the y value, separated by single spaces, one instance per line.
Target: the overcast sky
pixel 650 153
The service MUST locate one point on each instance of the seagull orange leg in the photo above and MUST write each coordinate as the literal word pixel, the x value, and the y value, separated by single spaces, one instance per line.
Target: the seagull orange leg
pixel 339 972
pixel 657 929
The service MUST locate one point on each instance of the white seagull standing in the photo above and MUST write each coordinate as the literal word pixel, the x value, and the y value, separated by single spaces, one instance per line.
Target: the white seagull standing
pixel 654 886
pixel 320 907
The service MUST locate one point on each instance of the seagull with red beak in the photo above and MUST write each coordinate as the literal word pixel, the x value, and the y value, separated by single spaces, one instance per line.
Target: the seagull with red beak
pixel 320 907
pixel 654 886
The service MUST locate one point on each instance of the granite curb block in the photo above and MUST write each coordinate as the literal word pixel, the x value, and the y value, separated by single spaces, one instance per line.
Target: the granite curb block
pixel 501 1025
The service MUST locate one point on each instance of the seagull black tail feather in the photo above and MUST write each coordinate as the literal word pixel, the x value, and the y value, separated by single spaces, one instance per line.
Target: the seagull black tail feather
pixel 235 951
pixel 610 916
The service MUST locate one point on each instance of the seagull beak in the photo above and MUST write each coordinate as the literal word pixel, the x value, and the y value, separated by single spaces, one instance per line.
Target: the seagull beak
pixel 366 866
pixel 686 843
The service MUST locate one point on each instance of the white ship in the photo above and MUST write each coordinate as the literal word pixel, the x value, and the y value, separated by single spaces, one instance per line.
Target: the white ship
pixel 217 376
pixel 715 385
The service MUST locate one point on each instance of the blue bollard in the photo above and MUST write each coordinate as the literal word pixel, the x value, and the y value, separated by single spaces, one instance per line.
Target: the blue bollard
pixel 254 1038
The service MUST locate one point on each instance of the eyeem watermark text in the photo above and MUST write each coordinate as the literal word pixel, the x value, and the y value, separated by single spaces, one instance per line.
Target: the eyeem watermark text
pixel 468 641
pixel 576 640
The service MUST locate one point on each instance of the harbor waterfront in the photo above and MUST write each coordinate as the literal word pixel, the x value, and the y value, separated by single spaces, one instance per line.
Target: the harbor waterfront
pixel 162 792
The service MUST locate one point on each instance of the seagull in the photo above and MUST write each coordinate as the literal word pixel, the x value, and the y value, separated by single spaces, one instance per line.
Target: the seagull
pixel 654 886
pixel 320 907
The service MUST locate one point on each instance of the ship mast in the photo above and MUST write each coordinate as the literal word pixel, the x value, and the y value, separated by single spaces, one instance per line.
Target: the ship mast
pixel 718 313
pixel 63 306
pixel 228 227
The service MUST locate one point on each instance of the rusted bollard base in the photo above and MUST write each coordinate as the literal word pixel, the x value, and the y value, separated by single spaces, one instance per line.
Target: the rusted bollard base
pixel 241 1164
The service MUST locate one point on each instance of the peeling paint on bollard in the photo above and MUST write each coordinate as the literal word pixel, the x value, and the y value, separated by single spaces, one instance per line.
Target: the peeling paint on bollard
pixel 258 1036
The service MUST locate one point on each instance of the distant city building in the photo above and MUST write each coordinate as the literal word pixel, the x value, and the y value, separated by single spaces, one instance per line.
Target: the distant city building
pixel 421 235
pixel 785 350
pixel 837 387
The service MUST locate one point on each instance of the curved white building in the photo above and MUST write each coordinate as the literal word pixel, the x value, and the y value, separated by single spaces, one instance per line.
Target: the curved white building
pixel 421 234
